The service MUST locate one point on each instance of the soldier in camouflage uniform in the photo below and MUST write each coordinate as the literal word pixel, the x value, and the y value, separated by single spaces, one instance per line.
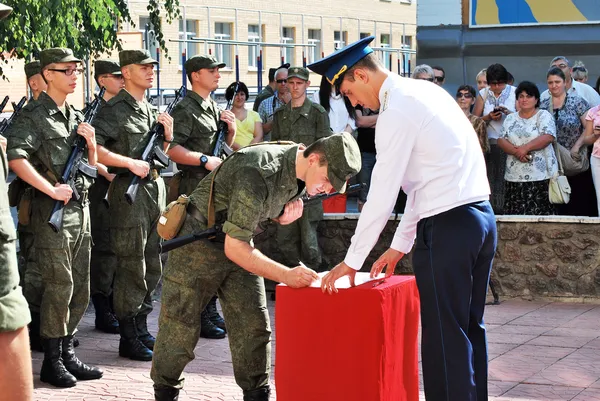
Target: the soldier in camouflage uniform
pixel 301 121
pixel 196 119
pixel 122 129
pixel 257 183
pixel 15 371
pixel 107 74
pixel 38 148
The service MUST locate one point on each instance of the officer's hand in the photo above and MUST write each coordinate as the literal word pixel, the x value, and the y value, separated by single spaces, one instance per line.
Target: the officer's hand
pixel 167 121
pixel 341 270
pixel 3 142
pixel 213 162
pixel 139 168
pixel 62 192
pixel 291 212
pixel 228 117
pixel 89 133
pixel 390 258
pixel 300 276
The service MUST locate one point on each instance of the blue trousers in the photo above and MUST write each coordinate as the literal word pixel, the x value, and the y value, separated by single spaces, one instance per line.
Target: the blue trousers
pixel 452 263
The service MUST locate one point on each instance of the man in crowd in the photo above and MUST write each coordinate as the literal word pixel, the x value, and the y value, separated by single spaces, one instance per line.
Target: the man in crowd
pixel 196 120
pixel 280 98
pixel 122 127
pixel 573 87
pixel 268 90
pixel 439 75
pixel 35 81
pixel 259 182
pixel 301 121
pixel 424 72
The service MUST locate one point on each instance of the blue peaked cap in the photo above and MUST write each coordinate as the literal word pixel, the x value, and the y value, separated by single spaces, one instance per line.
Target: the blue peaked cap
pixel 335 65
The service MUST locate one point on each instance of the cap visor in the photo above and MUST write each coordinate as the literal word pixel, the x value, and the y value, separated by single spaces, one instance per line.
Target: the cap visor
pixel 70 59
pixel 217 65
pixel 148 60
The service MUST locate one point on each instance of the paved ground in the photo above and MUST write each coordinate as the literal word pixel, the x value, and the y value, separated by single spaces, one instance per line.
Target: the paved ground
pixel 538 351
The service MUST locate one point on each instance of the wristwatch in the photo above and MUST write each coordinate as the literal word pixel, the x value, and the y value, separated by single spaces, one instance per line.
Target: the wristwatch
pixel 203 160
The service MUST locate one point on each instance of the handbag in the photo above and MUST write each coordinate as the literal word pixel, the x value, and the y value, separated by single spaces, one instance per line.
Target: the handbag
pixel 571 166
pixel 559 190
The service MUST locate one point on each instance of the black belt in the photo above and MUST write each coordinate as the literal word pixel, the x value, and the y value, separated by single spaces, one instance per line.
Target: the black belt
pixel 195 213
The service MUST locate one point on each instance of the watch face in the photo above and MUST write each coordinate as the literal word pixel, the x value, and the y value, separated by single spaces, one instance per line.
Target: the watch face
pixel 203 159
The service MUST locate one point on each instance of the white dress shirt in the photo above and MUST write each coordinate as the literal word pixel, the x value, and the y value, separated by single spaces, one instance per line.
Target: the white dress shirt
pixel 426 146
pixel 338 114
pixel 580 89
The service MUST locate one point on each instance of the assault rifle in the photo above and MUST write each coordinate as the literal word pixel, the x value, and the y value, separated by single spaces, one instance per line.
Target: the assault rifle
pixel 75 164
pixel 4 103
pixel 221 148
pixel 211 232
pixel 153 153
pixel 16 110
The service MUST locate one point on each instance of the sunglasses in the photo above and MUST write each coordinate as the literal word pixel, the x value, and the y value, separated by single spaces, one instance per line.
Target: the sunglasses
pixel 582 69
pixel 282 81
pixel 68 72
pixel 439 79
pixel 426 79
pixel 465 95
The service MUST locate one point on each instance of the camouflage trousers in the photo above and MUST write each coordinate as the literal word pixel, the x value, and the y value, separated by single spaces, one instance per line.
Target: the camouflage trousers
pixel 193 275
pixel 103 261
pixel 298 241
pixel 63 260
pixel 136 243
pixel 31 277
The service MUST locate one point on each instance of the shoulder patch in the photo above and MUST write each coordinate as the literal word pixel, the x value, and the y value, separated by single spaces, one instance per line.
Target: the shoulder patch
pixel 319 107
pixel 386 99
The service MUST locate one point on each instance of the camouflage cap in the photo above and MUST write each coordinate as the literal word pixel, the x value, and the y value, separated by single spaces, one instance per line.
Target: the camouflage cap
pixel 198 62
pixel 102 67
pixel 343 159
pixel 57 55
pixel 4 10
pixel 140 56
pixel 32 68
pixel 298 72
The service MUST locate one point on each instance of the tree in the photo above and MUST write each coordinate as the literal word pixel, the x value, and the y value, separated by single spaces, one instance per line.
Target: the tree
pixel 86 26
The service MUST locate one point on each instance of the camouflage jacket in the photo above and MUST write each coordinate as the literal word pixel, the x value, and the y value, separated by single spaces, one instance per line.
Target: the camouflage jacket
pixel 303 124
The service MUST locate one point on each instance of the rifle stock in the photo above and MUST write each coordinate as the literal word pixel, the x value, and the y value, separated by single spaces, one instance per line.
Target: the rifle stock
pixel 7 122
pixel 188 239
pixel 4 103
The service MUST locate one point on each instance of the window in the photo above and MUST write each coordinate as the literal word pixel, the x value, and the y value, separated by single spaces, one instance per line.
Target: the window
pixel 191 30
pixel 407 43
pixel 340 41
pixel 364 34
pixel 385 42
pixel 288 37
pixel 253 36
pixel 148 35
pixel 223 51
pixel 314 38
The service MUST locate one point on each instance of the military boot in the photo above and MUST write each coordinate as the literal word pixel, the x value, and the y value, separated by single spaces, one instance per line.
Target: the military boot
pixel 208 329
pixel 53 370
pixel 213 314
pixel 80 370
pixel 164 393
pixel 141 325
pixel 35 341
pixel 259 394
pixel 130 345
pixel 105 319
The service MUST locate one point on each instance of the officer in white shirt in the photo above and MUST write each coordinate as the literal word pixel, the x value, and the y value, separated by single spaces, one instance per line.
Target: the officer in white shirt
pixel 426 147
pixel 573 87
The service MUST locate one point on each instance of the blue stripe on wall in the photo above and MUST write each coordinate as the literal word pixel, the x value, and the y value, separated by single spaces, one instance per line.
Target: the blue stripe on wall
pixel 473 12
pixel 514 12
pixel 589 8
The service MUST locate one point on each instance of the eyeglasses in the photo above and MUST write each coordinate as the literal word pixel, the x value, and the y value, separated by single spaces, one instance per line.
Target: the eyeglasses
pixel 425 79
pixel 68 72
pixel 439 79
pixel 465 95
pixel 496 83
pixel 282 81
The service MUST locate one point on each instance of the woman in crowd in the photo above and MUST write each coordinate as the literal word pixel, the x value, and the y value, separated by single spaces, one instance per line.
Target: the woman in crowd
pixel 579 72
pixel 527 138
pixel 249 125
pixel 592 136
pixel 341 117
pixel 481 79
pixel 424 72
pixel 465 97
pixel 569 115
pixel 493 104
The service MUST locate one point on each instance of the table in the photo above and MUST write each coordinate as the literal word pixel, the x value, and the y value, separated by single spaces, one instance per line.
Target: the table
pixel 357 345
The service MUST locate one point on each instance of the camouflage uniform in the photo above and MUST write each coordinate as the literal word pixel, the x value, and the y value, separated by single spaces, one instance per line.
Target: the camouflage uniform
pixel 43 134
pixel 298 241
pixel 122 126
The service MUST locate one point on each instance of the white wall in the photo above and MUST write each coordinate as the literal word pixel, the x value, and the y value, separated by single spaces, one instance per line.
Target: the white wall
pixel 439 12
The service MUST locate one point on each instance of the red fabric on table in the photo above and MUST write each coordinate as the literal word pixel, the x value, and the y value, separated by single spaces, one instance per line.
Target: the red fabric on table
pixel 357 345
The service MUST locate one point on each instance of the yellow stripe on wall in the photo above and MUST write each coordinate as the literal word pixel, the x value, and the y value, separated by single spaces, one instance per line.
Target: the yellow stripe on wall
pixel 555 11
pixel 487 13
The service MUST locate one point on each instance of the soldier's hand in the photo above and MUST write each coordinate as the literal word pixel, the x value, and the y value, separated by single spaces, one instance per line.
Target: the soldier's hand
pixel 139 168
pixel 300 276
pixel 228 117
pixel 291 212
pixel 167 121
pixel 3 142
pixel 89 133
pixel 62 192
pixel 213 162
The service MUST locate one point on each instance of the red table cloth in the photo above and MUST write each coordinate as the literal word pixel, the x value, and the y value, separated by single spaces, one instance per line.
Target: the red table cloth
pixel 357 345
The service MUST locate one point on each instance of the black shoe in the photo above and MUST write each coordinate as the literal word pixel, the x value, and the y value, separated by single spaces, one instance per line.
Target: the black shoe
pixel 53 370
pixel 80 370
pixel 105 318
pixel 35 341
pixel 141 326
pixel 75 342
pixel 214 316
pixel 260 394
pixel 164 393
pixel 130 345
pixel 208 329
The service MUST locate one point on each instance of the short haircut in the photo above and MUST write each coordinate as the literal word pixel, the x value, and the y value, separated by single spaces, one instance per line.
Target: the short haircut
pixel 318 148
pixel 272 74
pixel 467 88
pixel 369 62
pixel 241 88
pixel 278 71
pixel 556 71
pixel 437 67
pixel 511 79
pixel 423 69
pixel 558 58
pixel 531 89
pixel 496 73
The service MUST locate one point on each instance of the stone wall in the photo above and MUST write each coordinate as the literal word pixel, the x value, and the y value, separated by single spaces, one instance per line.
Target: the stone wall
pixel 554 256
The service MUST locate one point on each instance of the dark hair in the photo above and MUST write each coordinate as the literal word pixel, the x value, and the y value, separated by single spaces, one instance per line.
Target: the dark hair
pixel 556 71
pixel 325 93
pixel 598 85
pixel 369 62
pixel 496 73
pixel 468 88
pixel 272 74
pixel 437 67
pixel 318 148
pixel 241 88
pixel 510 79
pixel 531 89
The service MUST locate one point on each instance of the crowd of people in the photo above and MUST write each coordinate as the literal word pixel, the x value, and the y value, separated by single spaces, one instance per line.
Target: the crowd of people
pixel 529 137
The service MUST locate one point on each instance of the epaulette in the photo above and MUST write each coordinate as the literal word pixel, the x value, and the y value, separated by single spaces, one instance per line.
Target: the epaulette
pixel 319 107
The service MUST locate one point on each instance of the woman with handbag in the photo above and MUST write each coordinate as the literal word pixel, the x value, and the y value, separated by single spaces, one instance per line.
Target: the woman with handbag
pixel 569 113
pixel 527 138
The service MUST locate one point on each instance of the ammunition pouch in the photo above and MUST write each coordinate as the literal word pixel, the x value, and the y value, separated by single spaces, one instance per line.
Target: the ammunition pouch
pixel 24 208
pixel 172 218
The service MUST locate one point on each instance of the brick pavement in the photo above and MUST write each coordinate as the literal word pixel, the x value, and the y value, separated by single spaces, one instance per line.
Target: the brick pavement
pixel 538 351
